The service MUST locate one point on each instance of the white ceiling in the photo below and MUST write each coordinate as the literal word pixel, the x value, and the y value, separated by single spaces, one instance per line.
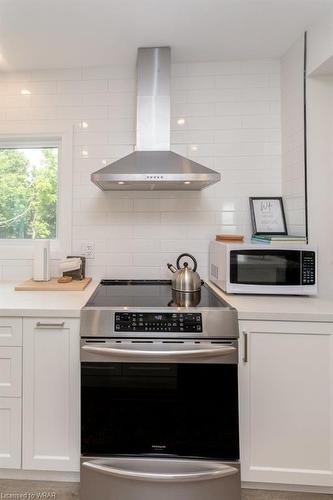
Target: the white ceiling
pixel 38 34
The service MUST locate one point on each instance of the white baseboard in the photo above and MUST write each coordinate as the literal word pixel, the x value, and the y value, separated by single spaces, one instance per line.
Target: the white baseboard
pixel 36 475
pixel 287 487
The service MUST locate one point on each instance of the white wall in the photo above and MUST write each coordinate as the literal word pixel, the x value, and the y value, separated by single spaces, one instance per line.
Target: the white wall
pixel 292 134
pixel 232 124
pixel 320 147
pixel 320 47
pixel 320 176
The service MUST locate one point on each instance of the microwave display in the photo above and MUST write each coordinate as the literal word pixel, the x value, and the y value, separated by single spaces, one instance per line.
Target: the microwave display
pixel 269 267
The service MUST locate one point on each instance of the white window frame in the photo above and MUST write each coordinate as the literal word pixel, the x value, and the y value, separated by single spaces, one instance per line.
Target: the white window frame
pixel 19 135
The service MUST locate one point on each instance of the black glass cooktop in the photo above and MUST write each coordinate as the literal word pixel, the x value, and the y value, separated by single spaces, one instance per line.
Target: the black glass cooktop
pixel 150 293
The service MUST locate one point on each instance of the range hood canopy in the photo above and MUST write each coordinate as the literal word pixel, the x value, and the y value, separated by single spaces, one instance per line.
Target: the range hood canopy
pixel 153 166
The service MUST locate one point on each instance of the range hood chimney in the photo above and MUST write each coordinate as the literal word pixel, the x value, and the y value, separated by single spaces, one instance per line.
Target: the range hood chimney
pixel 153 166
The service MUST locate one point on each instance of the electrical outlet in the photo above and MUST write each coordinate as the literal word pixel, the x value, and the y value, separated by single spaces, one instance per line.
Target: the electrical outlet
pixel 88 249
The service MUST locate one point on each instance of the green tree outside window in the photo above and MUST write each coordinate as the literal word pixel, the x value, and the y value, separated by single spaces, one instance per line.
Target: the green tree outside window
pixel 28 193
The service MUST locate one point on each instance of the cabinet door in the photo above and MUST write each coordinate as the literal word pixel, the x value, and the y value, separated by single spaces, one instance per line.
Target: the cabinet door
pixel 10 433
pixel 10 371
pixel 51 369
pixel 286 402
pixel 10 331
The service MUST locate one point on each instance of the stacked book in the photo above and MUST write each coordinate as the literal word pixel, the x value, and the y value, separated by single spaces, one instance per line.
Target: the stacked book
pixel 278 239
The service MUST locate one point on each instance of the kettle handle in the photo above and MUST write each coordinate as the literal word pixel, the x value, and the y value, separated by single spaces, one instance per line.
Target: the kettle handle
pixel 191 257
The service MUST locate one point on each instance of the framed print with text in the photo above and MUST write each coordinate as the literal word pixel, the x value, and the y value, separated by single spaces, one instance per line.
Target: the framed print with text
pixel 267 215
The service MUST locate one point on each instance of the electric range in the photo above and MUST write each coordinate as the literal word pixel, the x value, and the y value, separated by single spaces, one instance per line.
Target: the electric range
pixel 159 391
pixel 151 308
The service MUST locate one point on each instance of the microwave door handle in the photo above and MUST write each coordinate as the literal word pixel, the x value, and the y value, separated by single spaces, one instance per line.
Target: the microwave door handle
pixel 181 476
pixel 162 352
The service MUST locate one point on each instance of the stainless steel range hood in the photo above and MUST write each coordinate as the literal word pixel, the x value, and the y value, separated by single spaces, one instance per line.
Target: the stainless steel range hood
pixel 153 166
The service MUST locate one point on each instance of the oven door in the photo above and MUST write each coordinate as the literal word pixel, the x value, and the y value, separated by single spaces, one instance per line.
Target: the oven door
pixel 176 400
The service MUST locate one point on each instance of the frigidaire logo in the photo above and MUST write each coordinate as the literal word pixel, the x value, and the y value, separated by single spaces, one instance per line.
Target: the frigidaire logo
pixel 158 447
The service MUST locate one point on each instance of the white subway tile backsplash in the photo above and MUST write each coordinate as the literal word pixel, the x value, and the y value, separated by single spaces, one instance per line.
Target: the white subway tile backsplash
pixel 260 94
pixel 90 218
pixel 182 245
pixel 127 110
pixel 108 72
pixel 147 259
pixel 122 137
pixel 196 95
pixel 122 85
pixel 193 82
pixel 227 122
pixel 35 87
pixel 181 109
pixel 82 86
pixel 102 151
pixel 56 74
pixel 15 101
pixel 114 258
pixel 192 136
pixel 109 98
pixel 228 108
pixel 262 121
pixel 80 112
pixel 103 204
pixel 255 80
pixel 88 138
pixel 261 67
pixel 38 100
pixel 185 218
pixel 230 121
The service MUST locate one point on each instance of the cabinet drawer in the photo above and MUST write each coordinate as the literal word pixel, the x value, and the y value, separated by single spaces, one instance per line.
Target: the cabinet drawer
pixel 10 331
pixel 10 433
pixel 10 371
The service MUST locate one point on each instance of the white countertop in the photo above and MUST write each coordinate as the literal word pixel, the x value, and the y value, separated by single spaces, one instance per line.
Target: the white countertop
pixel 47 304
pixel 279 308
pixel 249 307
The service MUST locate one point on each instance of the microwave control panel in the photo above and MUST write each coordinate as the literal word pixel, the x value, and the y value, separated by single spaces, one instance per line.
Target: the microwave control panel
pixel 308 268
pixel 158 322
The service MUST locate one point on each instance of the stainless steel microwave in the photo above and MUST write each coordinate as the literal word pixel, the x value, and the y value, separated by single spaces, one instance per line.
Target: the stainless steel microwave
pixel 263 269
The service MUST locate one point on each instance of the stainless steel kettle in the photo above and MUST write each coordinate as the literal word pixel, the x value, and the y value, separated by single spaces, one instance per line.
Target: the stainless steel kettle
pixel 184 278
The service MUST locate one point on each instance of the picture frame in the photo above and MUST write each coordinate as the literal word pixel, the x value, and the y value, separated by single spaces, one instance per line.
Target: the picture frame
pixel 267 215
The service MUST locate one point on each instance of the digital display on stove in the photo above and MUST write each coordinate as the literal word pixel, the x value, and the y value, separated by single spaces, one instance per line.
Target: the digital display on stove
pixel 161 322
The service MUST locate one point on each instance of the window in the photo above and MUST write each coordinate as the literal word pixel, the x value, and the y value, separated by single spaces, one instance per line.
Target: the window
pixel 28 190
pixel 36 165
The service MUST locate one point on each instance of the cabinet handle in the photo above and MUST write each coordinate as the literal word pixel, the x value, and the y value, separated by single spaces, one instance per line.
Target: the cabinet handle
pixel 50 325
pixel 246 347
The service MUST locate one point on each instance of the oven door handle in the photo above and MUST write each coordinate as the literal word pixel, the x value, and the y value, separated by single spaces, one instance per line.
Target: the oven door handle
pixel 197 352
pixel 219 471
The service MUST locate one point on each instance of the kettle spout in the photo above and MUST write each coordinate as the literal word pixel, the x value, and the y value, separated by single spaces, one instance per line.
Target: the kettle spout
pixel 172 268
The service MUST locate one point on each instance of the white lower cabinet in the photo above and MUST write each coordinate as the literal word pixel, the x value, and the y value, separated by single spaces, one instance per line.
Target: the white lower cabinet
pixel 10 433
pixel 10 392
pixel 286 402
pixel 51 388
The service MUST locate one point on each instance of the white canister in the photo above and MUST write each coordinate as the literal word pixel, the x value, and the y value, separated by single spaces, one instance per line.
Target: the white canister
pixel 41 263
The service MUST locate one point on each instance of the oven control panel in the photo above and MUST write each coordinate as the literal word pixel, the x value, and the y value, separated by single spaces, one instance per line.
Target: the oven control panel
pixel 158 322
